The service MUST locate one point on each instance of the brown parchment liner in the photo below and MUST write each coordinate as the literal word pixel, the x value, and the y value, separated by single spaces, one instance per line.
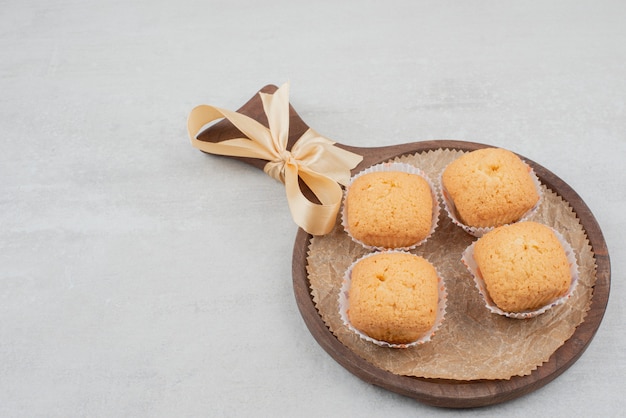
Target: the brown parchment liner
pixel 472 343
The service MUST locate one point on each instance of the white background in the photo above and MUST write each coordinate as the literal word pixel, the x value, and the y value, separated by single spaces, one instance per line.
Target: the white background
pixel 140 277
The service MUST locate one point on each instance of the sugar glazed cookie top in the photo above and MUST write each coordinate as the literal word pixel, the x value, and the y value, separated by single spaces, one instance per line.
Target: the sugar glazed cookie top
pixel 523 265
pixel 490 187
pixel 393 297
pixel 389 209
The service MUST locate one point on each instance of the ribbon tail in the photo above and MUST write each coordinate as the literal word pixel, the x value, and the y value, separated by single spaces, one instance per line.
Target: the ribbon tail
pixel 316 219
pixel 276 107
pixel 258 136
pixel 238 147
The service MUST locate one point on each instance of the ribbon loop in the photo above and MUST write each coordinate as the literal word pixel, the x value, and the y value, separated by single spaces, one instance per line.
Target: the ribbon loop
pixel 320 164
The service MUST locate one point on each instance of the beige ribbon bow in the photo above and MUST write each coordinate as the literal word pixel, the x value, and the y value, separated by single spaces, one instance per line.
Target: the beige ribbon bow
pixel 313 158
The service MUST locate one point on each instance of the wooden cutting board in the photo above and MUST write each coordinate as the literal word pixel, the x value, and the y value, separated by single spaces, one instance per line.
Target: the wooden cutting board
pixel 436 392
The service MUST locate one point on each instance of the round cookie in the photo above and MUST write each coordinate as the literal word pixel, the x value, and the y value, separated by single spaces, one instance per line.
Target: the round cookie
pixel 489 187
pixel 393 297
pixel 389 209
pixel 523 265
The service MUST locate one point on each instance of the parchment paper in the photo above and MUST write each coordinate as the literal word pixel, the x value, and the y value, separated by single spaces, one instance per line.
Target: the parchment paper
pixel 472 343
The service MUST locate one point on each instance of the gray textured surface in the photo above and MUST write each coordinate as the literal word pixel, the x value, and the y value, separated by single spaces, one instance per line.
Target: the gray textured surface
pixel 139 277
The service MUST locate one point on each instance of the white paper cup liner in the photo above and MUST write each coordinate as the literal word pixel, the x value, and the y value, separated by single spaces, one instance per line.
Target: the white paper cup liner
pixel 387 167
pixel 478 232
pixel 344 304
pixel 470 263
